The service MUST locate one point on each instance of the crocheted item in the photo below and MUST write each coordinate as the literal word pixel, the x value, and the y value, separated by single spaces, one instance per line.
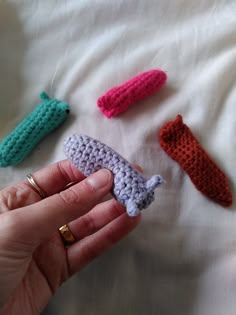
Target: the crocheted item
pixel 181 145
pixel 120 98
pixel 130 187
pixel 47 116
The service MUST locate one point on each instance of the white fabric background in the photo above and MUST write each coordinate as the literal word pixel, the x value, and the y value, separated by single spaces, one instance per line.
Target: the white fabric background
pixel 182 258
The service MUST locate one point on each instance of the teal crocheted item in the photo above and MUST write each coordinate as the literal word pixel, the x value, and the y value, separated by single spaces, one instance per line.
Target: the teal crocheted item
pixel 19 143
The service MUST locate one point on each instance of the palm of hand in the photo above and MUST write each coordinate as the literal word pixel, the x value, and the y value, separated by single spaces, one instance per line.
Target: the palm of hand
pixel 39 272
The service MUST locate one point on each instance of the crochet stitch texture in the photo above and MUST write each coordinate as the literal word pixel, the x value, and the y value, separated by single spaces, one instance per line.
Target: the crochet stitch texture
pixel 47 116
pixel 120 98
pixel 130 187
pixel 181 145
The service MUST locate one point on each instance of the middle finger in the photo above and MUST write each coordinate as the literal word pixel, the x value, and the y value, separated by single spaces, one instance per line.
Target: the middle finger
pixel 96 219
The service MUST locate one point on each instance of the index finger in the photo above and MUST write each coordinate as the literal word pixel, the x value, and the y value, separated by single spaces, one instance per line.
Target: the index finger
pixel 54 178
pixel 51 180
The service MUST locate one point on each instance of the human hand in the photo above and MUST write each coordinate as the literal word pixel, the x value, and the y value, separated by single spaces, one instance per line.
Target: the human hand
pixel 33 259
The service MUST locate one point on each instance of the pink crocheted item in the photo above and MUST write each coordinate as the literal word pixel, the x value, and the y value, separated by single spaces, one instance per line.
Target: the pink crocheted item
pixel 120 98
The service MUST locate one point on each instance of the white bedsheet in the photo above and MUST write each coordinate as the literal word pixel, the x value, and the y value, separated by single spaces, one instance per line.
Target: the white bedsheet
pixel 182 258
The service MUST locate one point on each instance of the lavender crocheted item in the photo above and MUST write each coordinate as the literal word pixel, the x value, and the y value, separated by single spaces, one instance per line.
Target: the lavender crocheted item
pixel 130 187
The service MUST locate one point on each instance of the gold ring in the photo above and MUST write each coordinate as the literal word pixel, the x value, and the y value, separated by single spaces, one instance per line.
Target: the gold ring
pixel 67 236
pixel 35 186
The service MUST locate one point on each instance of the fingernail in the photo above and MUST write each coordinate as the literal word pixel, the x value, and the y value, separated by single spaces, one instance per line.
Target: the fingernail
pixel 99 179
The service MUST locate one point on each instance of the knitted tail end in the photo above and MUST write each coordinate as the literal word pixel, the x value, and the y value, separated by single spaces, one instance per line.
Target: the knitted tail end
pixel 153 182
pixel 44 96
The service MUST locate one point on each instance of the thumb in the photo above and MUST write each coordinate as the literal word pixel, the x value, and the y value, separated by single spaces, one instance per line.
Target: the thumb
pixel 37 222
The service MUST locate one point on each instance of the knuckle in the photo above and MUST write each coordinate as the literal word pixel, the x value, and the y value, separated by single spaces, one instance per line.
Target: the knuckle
pixel 118 208
pixel 67 171
pixel 88 221
pixel 70 196
pixel 87 187
pixel 62 170
pixel 17 196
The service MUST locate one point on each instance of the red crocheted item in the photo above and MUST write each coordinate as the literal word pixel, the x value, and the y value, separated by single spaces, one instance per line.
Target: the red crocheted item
pixel 120 98
pixel 181 145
